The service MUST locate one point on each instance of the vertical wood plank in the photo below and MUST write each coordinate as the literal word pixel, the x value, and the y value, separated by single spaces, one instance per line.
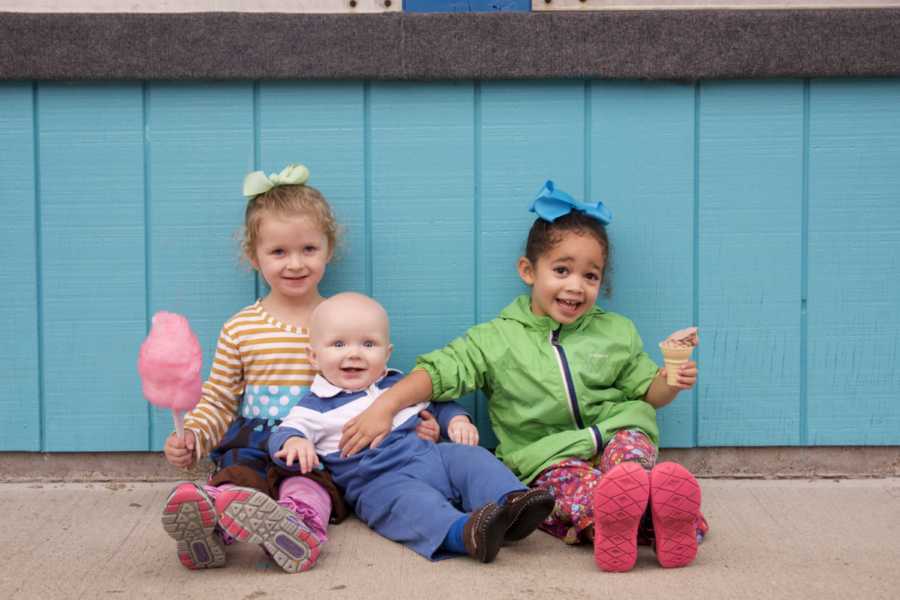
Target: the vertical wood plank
pixel 93 278
pixel 642 165
pixel 530 132
pixel 320 125
pixel 20 428
pixel 199 147
pixel 751 166
pixel 422 212
pixel 854 262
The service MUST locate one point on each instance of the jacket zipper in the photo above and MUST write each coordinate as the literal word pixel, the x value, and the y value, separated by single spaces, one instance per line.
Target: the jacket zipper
pixel 567 378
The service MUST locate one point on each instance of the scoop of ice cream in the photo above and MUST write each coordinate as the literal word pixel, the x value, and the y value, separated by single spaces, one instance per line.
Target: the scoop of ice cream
pixel 683 338
pixel 169 363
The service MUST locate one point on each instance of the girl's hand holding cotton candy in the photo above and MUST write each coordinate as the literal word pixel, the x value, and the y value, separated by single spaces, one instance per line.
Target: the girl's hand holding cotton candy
pixel 169 364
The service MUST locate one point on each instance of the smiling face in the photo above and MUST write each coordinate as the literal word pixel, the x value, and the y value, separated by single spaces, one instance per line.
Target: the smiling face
pixel 291 254
pixel 565 280
pixel 350 341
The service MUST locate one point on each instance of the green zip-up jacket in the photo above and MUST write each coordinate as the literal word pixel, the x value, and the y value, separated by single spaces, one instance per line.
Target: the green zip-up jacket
pixel 555 392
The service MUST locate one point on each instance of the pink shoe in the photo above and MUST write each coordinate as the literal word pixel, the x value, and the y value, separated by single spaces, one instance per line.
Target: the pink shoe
pixel 675 507
pixel 190 518
pixel 251 516
pixel 620 500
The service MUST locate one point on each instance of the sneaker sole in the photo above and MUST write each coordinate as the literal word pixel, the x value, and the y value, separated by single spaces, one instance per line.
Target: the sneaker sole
pixel 251 516
pixel 620 500
pixel 189 517
pixel 674 506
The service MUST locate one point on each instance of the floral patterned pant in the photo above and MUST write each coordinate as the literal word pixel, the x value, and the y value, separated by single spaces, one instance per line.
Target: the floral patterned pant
pixel 572 483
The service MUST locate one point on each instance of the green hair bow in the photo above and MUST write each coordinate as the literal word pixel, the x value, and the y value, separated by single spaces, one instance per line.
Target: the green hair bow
pixel 257 182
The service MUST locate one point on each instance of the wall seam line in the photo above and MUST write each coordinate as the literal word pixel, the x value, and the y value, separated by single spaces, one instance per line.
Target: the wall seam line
pixel 367 187
pixel 695 393
pixel 38 265
pixel 148 246
pixel 803 415
pixel 476 218
pixel 257 160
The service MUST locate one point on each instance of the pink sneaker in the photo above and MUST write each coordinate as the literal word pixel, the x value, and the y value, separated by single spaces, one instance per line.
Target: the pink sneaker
pixel 251 516
pixel 620 500
pixel 675 507
pixel 190 518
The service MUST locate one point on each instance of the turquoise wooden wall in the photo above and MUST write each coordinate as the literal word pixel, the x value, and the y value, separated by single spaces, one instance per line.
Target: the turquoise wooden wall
pixel 766 212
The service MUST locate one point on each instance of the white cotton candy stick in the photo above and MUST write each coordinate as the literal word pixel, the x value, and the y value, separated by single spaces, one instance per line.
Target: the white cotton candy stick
pixel 169 364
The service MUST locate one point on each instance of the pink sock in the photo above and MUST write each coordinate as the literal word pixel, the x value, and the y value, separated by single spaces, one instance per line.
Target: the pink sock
pixel 309 501
pixel 213 492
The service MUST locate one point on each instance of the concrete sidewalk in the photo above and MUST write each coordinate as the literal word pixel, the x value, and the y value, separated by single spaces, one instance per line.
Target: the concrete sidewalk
pixel 770 539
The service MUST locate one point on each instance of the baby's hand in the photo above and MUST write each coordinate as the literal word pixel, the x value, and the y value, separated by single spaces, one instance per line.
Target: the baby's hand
pixel 180 452
pixel 428 428
pixel 301 450
pixel 462 431
pixel 687 375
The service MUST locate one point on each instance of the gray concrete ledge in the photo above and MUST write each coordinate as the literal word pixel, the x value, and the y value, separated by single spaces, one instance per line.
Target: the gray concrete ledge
pixel 749 463
pixel 640 44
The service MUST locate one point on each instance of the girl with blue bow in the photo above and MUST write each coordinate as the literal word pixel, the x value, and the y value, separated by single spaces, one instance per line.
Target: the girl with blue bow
pixel 572 396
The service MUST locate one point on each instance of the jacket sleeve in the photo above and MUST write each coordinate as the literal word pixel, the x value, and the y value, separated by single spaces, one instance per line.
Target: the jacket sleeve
pixel 527 462
pixel 635 379
pixel 458 368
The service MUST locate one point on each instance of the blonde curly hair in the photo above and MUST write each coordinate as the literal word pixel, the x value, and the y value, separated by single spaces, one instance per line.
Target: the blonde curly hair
pixel 288 201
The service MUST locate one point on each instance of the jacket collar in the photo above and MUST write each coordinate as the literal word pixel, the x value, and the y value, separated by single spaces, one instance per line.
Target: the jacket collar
pixel 520 310
pixel 323 388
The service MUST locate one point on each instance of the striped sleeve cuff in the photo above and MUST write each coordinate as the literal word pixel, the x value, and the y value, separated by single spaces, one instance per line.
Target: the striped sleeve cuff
pixel 598 439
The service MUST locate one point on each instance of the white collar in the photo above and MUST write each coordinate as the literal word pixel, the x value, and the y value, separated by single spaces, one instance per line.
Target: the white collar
pixel 323 388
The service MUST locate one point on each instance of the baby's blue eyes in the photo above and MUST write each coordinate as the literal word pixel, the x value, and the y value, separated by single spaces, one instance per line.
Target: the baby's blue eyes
pixel 366 344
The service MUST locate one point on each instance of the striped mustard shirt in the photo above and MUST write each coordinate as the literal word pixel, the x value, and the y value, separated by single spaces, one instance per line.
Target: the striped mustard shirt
pixel 253 349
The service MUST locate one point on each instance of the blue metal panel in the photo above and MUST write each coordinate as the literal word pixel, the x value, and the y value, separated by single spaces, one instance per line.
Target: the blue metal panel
pixel 322 126
pixel 422 212
pixel 854 262
pixel 642 166
pixel 750 194
pixel 530 132
pixel 91 171
pixel 455 6
pixel 199 145
pixel 20 402
pixel 735 206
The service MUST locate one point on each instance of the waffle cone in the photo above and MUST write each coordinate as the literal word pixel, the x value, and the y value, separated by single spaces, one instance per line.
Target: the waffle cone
pixel 674 357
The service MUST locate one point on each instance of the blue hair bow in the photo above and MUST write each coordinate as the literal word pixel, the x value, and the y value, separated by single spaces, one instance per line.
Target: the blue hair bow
pixel 552 204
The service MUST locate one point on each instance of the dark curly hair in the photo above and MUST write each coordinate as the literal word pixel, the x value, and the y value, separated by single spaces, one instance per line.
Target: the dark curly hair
pixel 544 236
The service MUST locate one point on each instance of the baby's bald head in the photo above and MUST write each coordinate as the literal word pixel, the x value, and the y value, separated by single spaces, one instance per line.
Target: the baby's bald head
pixel 350 339
pixel 348 307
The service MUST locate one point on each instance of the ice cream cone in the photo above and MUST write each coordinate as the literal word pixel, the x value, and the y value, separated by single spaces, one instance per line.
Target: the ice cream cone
pixel 674 357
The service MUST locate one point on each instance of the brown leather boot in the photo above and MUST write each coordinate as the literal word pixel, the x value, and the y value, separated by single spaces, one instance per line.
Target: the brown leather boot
pixel 526 510
pixel 483 532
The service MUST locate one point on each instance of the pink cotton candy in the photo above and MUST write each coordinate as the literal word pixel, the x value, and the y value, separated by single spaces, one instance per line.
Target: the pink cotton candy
pixel 169 363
